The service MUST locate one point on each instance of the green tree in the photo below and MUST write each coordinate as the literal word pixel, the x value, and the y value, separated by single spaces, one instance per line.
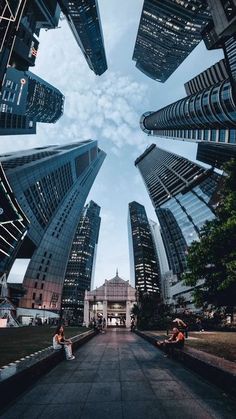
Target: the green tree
pixel 213 258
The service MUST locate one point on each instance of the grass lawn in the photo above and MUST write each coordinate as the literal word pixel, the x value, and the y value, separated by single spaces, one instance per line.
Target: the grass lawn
pixel 222 344
pixel 15 343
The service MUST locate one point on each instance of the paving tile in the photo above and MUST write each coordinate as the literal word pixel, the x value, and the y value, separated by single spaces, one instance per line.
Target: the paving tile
pixel 72 393
pixel 142 410
pixel 170 390
pixel 132 375
pixel 104 376
pixel 223 407
pixel 140 391
pixel 129 364
pixel 82 376
pixel 55 411
pixel 105 392
pixel 157 374
pixel 40 394
pixel 184 409
pixel 104 365
pixel 104 410
pixel 22 411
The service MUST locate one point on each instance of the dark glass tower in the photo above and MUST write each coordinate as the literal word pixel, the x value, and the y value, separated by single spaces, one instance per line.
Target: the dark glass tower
pixel 25 98
pixel 143 259
pixel 168 31
pixel 84 20
pixel 51 185
pixel 81 263
pixel 182 194
pixel 13 225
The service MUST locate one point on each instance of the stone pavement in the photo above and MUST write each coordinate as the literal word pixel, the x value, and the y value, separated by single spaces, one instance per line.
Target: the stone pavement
pixel 120 376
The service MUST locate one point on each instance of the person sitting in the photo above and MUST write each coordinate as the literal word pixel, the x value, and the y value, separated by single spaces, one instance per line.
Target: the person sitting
pixel 175 341
pixel 181 326
pixel 59 342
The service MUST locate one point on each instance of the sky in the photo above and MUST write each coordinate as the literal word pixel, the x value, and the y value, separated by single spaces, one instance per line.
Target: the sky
pixel 108 109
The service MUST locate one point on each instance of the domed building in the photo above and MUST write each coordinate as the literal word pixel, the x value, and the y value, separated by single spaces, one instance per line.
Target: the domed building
pixel 113 301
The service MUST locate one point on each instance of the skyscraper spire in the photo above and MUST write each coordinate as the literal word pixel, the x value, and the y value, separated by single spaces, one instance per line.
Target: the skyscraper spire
pixel 117 272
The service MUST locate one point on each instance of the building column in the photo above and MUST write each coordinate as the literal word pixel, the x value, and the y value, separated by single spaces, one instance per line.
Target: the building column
pixel 86 313
pixel 128 304
pixel 104 311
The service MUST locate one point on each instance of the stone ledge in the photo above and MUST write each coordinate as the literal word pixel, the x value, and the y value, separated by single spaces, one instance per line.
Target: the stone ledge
pixel 217 370
pixel 17 376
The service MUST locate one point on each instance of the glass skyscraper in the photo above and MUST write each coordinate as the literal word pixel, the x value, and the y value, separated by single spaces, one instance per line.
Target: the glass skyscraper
pixel 182 193
pixel 84 20
pixel 51 185
pixel 145 270
pixel 25 98
pixel 168 31
pixel 80 268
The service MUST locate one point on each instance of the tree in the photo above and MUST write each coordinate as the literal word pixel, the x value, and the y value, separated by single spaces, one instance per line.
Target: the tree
pixel 213 258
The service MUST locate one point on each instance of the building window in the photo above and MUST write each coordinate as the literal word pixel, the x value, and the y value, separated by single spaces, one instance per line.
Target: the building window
pixel 34 294
pixel 35 285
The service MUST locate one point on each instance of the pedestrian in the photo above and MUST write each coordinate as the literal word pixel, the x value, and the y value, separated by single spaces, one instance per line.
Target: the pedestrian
pixel 132 326
pixel 59 342
pixel 182 326
pixel 175 341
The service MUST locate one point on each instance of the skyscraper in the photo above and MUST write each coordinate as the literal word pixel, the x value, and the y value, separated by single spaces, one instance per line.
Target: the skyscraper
pixel 168 31
pixel 182 194
pixel 81 263
pixel 51 185
pixel 84 20
pixel 25 98
pixel 13 225
pixel 145 271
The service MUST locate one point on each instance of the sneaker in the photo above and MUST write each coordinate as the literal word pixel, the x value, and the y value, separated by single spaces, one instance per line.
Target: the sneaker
pixel 71 358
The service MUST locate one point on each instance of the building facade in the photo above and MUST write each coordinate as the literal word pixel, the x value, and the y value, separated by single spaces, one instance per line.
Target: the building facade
pixel 51 185
pixel 143 258
pixel 112 301
pixel 25 99
pixel 80 268
pixel 215 154
pixel 85 23
pixel 168 31
pixel 13 225
pixel 183 195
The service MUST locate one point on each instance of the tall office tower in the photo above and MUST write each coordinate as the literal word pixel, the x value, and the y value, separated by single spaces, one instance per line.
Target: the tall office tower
pixel 220 32
pixel 25 99
pixel 168 31
pixel 80 268
pixel 51 185
pixel 207 114
pixel 167 276
pixel 215 154
pixel 84 20
pixel 182 194
pixel 144 263
pixel 13 225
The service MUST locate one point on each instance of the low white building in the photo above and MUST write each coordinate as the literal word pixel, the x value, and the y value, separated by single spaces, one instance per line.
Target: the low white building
pixel 112 301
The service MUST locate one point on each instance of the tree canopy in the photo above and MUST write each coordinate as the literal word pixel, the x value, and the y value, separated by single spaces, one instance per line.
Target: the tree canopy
pixel 213 258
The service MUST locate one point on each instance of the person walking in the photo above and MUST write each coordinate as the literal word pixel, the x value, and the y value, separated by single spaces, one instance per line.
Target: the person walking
pixel 59 341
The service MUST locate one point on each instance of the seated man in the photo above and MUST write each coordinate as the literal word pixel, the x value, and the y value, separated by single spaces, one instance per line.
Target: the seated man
pixel 175 341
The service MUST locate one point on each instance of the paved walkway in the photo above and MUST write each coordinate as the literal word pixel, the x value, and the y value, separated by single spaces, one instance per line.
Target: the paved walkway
pixel 120 376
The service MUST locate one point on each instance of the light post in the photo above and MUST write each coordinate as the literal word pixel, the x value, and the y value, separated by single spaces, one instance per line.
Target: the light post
pixel 44 313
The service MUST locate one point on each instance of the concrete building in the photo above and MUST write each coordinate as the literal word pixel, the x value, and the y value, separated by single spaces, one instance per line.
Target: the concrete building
pixel 112 301
pixel 51 185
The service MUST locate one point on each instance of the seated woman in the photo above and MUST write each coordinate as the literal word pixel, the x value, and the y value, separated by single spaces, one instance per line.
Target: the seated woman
pixel 59 342
pixel 175 341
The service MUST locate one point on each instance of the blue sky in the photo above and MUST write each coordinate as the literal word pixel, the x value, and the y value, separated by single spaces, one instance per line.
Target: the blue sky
pixel 108 109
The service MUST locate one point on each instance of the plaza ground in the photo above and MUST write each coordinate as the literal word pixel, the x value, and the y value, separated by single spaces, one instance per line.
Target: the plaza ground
pixel 121 376
pixel 222 344
pixel 16 343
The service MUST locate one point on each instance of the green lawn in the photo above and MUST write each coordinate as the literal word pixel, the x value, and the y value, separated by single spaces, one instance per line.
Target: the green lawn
pixel 222 344
pixel 15 343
